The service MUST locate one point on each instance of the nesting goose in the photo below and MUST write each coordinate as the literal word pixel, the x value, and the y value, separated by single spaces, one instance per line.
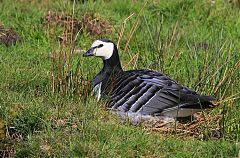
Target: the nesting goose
pixel 143 92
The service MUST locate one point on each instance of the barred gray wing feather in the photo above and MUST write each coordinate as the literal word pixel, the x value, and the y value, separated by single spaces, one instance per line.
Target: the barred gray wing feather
pixel 151 93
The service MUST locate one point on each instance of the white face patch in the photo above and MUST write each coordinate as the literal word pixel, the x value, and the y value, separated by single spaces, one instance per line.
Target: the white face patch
pixel 105 51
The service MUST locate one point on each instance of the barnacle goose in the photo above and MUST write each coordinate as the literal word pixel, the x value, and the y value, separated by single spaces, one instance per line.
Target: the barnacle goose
pixel 143 92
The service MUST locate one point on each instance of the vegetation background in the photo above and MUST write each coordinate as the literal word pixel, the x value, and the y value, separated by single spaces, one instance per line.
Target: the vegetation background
pixel 45 106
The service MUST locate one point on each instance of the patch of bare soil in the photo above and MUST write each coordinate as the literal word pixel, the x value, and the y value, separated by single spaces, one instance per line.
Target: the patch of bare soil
pixel 94 25
pixel 8 36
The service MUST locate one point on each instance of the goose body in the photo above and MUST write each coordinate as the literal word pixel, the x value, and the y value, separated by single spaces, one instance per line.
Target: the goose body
pixel 143 92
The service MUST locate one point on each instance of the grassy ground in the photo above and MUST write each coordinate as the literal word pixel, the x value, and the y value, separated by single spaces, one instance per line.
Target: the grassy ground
pixel 194 42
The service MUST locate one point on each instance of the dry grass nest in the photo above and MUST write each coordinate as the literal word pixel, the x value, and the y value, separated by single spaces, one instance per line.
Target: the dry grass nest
pixel 203 126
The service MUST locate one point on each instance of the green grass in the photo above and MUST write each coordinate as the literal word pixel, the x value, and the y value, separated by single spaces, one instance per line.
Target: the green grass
pixel 168 38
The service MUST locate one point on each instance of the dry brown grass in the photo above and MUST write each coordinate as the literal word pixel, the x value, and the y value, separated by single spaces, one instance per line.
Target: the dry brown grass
pixel 91 23
pixel 8 36
pixel 202 123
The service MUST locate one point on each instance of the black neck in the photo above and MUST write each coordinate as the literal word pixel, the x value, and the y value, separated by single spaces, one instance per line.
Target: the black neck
pixel 111 68
pixel 113 63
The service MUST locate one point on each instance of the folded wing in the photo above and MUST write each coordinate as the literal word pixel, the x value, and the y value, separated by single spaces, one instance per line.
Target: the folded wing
pixel 152 93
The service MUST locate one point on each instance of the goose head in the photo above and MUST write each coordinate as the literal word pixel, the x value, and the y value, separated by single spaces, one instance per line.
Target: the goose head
pixel 107 51
pixel 101 48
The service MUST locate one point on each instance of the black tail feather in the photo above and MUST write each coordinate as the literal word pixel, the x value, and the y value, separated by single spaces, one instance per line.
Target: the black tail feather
pixel 205 102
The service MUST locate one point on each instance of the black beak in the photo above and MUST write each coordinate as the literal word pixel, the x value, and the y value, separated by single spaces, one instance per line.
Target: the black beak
pixel 90 52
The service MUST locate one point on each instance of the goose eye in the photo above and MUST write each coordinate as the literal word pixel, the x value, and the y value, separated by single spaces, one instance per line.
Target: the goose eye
pixel 100 45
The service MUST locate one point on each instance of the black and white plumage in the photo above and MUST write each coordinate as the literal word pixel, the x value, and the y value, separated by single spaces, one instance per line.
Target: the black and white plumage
pixel 142 92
